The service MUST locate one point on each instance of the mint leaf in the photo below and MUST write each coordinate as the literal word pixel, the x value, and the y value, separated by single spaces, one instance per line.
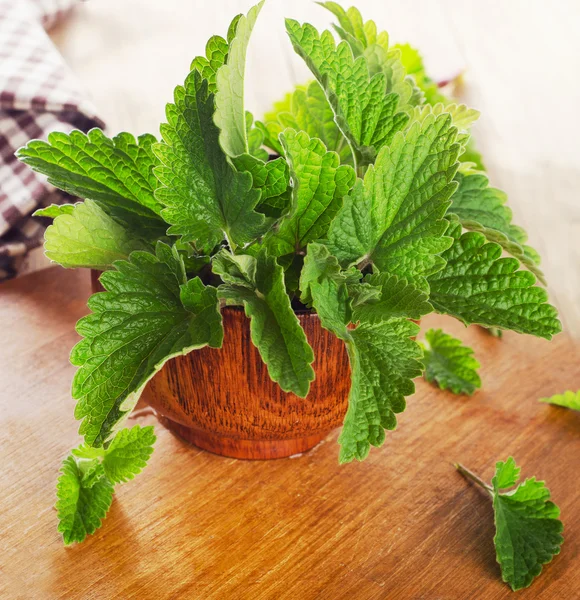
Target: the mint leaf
pixel 383 359
pixel 320 184
pixel 567 399
pixel 80 509
pixel 363 39
pixel 397 299
pixel 230 116
pixel 85 486
pixel 480 207
pixel 462 116
pixel 395 219
pixel 306 109
pixel 478 286
pixel 449 363
pixel 255 139
pixel 117 172
pixel 205 197
pixel 528 532
pixel 128 453
pixel 216 53
pixel 54 210
pixel 257 283
pixel 320 264
pixel 148 314
pixel 272 178
pixel 86 236
pixel 366 115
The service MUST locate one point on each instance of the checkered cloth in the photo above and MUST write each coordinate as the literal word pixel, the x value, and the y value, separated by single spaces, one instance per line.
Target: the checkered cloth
pixel 38 94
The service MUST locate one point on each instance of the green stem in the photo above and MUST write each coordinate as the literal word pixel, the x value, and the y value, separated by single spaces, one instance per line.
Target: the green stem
pixel 473 477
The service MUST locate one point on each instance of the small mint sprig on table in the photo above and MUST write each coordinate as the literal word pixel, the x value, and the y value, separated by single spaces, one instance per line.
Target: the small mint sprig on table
pixel 88 477
pixel 568 399
pixel 528 532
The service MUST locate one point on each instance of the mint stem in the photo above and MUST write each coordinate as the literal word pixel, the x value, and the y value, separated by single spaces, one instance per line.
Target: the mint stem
pixel 473 477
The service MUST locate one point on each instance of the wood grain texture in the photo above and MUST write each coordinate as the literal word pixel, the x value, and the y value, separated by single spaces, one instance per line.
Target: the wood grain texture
pixel 401 525
pixel 223 400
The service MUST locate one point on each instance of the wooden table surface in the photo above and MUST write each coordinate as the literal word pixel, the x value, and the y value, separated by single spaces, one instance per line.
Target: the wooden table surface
pixel 401 525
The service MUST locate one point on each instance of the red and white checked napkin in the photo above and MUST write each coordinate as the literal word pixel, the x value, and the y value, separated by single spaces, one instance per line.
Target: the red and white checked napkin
pixel 38 94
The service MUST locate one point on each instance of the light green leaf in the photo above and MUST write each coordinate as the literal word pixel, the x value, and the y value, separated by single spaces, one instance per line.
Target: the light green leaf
pixel 383 359
pixel 567 399
pixel 307 109
pixel 449 363
pixel 320 264
pixel 230 116
pixel 88 237
pixel 205 197
pixel 148 315
pixel 257 283
pixel 117 172
pixel 397 299
pixel 478 286
pixel 396 218
pixel 482 208
pixel 128 453
pixel 272 178
pixel 365 114
pixel 363 39
pixel 527 528
pixel 462 116
pixel 320 185
pixel 216 54
pixel 54 210
pixel 80 509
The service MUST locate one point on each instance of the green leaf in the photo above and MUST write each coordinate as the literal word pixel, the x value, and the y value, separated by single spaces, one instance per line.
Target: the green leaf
pixel 257 283
pixel 397 298
pixel 478 286
pixel 272 178
pixel 87 236
pixel 480 207
pixel 216 54
pixel 148 315
pixel 449 363
pixel 528 532
pixel 567 399
pixel 365 114
pixel 128 453
pixel 230 116
pixel 117 172
pixel 80 509
pixel 527 528
pixel 320 264
pixel 396 218
pixel 363 39
pixel 383 359
pixel 205 197
pixel 320 185
pixel 54 210
pixel 306 109
pixel 85 487
pixel 462 116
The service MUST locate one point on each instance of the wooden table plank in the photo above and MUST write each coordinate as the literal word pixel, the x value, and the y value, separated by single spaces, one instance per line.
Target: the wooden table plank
pixel 403 524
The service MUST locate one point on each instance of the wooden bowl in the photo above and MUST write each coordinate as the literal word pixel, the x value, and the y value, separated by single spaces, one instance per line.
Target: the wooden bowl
pixel 223 400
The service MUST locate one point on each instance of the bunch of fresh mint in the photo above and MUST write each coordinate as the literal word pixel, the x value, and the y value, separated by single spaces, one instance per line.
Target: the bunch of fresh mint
pixel 361 216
